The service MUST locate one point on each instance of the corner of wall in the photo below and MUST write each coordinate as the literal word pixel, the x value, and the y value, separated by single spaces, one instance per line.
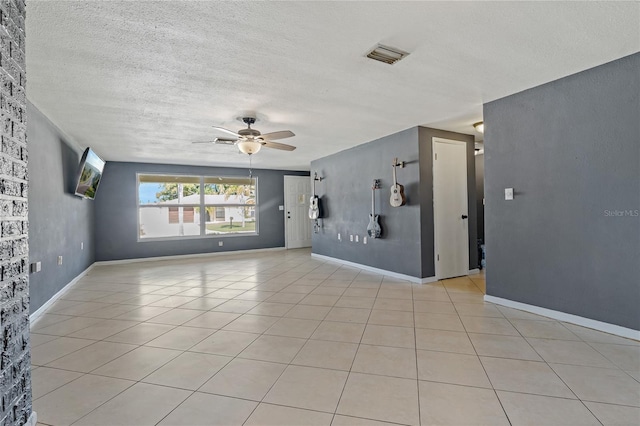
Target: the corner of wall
pixel 53 165
pixel 568 241
pixel 348 195
pixel 426 135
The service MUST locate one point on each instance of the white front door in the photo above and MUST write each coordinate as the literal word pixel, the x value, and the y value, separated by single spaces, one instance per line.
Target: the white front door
pixel 297 225
pixel 450 208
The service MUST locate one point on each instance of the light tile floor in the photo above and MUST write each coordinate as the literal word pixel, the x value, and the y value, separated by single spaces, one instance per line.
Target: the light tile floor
pixel 279 338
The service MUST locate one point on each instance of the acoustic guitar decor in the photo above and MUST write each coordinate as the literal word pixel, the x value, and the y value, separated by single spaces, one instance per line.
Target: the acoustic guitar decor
pixel 397 191
pixel 315 205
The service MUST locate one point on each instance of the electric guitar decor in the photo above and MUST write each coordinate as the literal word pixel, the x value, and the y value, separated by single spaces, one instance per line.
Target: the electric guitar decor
pixel 397 191
pixel 315 208
pixel 373 229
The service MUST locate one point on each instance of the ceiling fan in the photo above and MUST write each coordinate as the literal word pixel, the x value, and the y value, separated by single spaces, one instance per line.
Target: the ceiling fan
pixel 249 141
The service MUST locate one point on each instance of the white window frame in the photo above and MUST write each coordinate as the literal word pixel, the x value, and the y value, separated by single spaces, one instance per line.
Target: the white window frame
pixel 202 206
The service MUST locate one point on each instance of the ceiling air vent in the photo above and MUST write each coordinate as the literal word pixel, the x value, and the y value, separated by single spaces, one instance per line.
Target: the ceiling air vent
pixel 386 54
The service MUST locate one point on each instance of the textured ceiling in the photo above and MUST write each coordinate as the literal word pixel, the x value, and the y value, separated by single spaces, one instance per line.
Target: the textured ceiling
pixel 138 81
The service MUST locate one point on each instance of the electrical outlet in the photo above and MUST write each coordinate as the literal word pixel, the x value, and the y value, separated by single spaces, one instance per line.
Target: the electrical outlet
pixel 220 243
pixel 35 267
pixel 81 246
pixel 59 260
pixel 351 238
pixel 356 238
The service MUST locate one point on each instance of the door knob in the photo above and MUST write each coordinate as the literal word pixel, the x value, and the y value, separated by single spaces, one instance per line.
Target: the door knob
pixel 464 216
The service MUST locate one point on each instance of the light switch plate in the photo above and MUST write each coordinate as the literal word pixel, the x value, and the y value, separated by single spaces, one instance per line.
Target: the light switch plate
pixel 508 193
pixel 281 208
pixel 35 267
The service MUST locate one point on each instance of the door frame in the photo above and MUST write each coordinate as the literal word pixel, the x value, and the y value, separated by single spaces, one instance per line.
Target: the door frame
pixel 286 206
pixel 435 140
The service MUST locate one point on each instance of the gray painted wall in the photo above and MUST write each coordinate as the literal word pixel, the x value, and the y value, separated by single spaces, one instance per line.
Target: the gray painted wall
pixel 426 135
pixel 571 151
pixel 59 221
pixel 480 194
pixel 408 236
pixel 116 213
pixel 346 196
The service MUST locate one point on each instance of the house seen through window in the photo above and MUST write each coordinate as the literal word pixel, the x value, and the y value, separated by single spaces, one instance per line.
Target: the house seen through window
pixel 174 206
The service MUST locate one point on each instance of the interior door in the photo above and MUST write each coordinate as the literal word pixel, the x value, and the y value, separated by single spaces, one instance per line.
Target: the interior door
pixel 450 208
pixel 297 226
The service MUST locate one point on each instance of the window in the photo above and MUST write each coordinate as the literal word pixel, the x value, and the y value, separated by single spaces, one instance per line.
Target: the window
pixel 188 215
pixel 170 206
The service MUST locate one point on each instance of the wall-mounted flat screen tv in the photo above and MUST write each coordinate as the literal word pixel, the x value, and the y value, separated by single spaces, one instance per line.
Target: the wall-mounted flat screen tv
pixel 89 174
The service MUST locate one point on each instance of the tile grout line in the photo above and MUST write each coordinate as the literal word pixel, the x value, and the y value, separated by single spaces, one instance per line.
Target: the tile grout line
pixel 282 290
pixel 118 378
pixel 480 361
pixel 415 340
pixel 293 358
pixel 364 330
pixel 109 399
pixel 263 334
pixel 554 371
pixel 135 381
pixel 139 381
pixel 590 344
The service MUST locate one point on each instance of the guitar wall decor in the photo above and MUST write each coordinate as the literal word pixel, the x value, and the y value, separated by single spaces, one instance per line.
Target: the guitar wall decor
pixel 397 191
pixel 315 205
pixel 373 229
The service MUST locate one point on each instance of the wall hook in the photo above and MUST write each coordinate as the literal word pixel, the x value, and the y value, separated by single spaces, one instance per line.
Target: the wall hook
pixel 398 164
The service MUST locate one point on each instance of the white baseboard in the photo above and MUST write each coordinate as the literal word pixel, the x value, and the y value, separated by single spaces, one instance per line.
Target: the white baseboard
pixel 185 256
pixel 34 316
pixel 32 420
pixel 628 333
pixel 473 271
pixel 375 270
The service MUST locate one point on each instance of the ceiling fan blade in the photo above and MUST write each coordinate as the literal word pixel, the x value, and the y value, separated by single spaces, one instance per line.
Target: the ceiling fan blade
pixel 222 129
pixel 276 145
pixel 211 141
pixel 278 135
pixel 225 141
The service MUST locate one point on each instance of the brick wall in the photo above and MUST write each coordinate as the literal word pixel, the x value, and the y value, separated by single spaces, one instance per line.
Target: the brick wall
pixel 15 377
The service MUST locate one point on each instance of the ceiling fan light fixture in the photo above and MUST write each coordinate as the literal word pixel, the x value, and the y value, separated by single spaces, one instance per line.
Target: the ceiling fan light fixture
pixel 249 146
pixel 479 126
